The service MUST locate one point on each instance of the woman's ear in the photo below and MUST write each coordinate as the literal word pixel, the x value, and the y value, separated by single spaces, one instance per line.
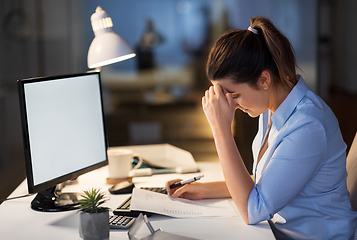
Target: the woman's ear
pixel 264 81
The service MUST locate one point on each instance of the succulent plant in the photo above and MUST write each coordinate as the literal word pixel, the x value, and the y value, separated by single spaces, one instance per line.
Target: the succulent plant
pixel 92 200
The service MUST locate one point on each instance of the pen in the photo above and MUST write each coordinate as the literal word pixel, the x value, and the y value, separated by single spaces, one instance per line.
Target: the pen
pixel 186 181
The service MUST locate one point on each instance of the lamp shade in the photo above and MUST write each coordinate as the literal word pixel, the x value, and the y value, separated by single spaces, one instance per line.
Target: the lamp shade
pixel 107 47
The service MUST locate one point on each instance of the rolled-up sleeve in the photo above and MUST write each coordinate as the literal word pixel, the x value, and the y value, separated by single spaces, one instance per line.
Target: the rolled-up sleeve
pixel 294 159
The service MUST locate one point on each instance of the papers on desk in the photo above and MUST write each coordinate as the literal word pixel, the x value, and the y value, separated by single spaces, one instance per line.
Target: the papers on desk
pixel 149 201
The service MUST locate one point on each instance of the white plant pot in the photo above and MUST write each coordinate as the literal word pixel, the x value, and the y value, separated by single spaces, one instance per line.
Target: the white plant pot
pixel 94 226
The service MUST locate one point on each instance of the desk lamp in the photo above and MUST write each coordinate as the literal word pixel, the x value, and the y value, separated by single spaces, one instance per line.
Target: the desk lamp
pixel 107 47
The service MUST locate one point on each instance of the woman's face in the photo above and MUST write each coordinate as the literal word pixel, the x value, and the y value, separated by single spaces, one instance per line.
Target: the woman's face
pixel 251 100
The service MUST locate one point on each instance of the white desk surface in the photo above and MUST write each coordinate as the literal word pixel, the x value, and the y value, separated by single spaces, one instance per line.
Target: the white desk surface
pixel 19 221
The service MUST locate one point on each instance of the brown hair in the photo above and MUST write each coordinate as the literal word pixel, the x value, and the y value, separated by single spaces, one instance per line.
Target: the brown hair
pixel 243 55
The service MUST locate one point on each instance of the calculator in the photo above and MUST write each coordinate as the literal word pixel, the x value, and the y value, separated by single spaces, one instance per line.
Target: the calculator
pixel 120 222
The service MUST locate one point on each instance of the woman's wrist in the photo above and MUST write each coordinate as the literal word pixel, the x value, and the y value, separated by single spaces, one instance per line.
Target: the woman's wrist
pixel 222 131
pixel 215 190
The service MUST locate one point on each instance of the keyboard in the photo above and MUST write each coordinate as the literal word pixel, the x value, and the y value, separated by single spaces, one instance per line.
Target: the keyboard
pixel 120 222
pixel 124 208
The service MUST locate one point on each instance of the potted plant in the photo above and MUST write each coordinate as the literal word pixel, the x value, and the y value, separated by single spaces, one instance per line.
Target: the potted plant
pixel 94 218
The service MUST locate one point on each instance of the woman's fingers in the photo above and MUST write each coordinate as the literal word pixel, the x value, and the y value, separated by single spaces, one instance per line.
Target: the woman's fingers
pixel 193 191
pixel 179 192
pixel 190 191
pixel 169 183
pixel 218 89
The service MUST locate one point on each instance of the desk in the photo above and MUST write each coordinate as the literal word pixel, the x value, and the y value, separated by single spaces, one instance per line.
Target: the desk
pixel 19 221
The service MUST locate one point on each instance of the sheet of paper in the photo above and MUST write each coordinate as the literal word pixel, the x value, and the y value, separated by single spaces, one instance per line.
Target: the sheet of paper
pixel 145 200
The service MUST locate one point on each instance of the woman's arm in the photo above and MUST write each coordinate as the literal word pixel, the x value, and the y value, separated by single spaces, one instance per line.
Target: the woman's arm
pixel 238 180
pixel 219 109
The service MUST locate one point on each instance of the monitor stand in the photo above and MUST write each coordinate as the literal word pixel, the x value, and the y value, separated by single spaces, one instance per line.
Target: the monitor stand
pixel 51 200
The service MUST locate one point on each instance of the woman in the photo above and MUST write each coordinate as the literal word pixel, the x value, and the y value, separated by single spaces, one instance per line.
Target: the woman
pixel 299 172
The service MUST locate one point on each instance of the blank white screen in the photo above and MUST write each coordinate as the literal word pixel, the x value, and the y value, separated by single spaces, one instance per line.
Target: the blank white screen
pixel 65 123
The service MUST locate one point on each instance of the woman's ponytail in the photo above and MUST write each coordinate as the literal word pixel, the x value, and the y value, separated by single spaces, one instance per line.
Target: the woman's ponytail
pixel 280 49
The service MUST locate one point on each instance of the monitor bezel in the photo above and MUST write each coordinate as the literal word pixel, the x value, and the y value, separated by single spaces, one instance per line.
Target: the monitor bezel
pixel 32 188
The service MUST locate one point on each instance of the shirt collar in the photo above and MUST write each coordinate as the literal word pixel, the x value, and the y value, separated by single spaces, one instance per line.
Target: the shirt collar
pixel 286 108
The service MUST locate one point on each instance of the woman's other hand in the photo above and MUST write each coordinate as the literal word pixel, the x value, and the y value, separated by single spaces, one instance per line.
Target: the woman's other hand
pixel 196 190
pixel 193 191
pixel 218 106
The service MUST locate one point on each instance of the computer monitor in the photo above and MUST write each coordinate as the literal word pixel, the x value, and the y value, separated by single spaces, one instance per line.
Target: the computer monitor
pixel 63 132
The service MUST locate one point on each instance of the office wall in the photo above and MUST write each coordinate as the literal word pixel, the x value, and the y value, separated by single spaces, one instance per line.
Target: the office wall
pixel 344 36
pixel 37 38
